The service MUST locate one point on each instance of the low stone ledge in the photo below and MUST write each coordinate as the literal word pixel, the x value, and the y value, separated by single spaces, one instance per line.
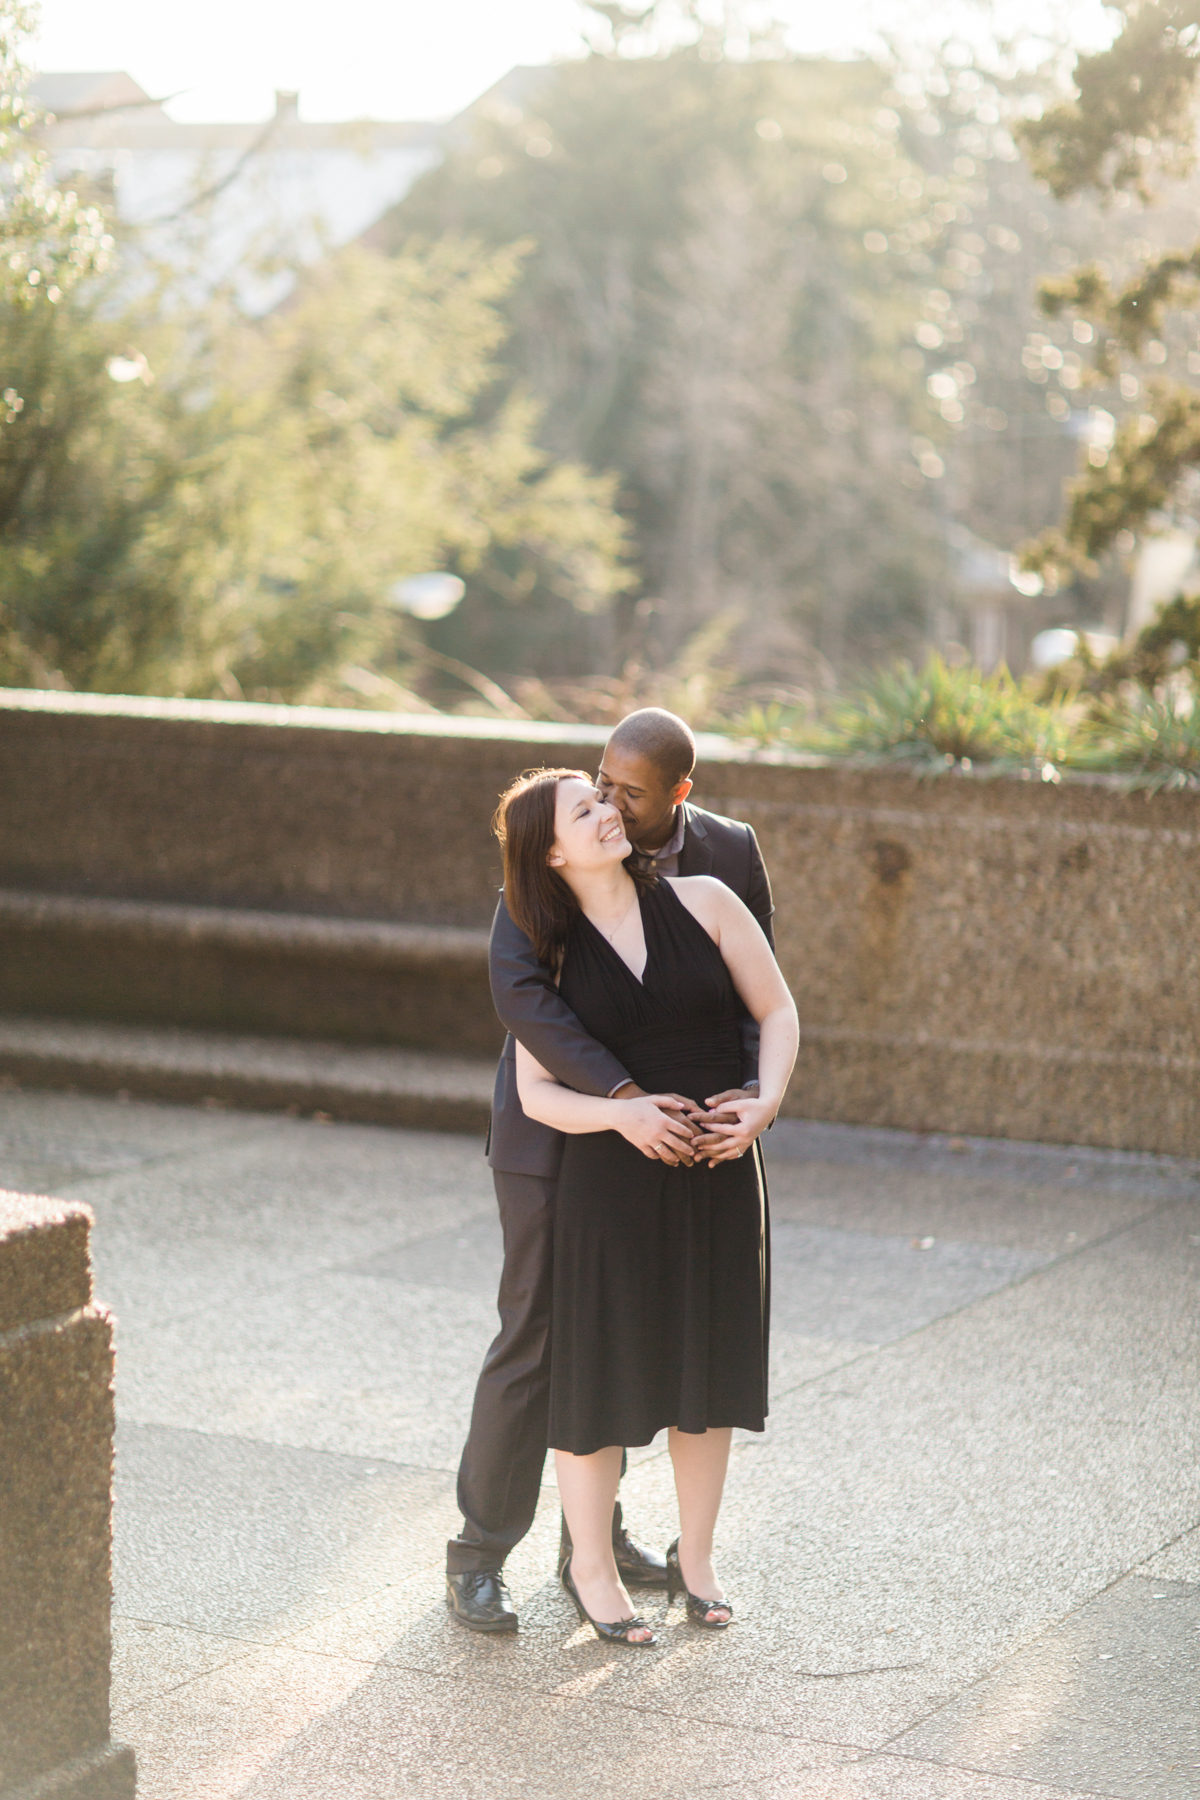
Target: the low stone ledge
pixel 993 1089
pixel 56 1426
pixel 989 956
pixel 44 1267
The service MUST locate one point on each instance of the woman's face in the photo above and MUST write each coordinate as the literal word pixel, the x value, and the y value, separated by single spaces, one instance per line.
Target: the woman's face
pixel 588 832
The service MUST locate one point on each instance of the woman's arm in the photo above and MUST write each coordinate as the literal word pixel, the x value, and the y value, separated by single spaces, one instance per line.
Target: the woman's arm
pixel 747 956
pixel 647 1122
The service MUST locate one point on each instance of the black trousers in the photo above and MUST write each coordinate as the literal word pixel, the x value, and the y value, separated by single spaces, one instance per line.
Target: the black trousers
pixel 501 1469
pixel 500 1474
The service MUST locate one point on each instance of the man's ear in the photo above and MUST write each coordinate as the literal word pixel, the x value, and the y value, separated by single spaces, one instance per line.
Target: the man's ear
pixel 681 793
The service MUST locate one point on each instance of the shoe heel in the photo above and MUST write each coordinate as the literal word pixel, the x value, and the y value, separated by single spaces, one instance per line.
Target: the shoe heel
pixel 571 1590
pixel 674 1574
pixel 617 1633
pixel 697 1609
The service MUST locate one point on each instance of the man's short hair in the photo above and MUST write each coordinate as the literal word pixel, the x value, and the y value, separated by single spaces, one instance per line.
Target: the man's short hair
pixel 662 738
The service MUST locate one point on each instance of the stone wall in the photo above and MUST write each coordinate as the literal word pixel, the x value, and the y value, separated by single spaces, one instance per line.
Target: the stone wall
pixel 974 955
pixel 56 1428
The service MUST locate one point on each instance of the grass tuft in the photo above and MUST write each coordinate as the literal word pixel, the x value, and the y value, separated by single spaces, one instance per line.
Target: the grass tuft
pixel 940 717
pixel 1153 737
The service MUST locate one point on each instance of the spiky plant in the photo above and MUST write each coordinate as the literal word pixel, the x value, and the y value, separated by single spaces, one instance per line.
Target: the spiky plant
pixel 1155 737
pixel 943 716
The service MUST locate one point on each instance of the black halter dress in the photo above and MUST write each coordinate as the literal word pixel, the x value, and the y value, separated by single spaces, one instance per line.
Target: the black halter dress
pixel 661 1293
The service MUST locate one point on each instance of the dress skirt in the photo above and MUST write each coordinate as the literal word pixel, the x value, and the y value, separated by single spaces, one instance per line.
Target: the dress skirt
pixel 661 1276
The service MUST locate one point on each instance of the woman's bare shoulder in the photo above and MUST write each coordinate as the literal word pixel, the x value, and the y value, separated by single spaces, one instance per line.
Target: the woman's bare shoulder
pixel 696 884
pixel 703 888
pixel 704 896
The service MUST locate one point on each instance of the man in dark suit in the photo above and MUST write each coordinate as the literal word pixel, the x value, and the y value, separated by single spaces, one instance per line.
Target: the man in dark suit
pixel 646 772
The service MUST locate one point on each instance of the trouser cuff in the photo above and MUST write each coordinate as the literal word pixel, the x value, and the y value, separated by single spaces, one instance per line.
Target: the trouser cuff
pixel 466 1559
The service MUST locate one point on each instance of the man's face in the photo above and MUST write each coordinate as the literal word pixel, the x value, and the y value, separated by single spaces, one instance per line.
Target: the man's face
pixel 644 799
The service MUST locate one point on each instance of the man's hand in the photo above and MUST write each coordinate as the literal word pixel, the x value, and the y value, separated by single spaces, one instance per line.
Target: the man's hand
pixel 731 1131
pixel 722 1108
pixel 715 1102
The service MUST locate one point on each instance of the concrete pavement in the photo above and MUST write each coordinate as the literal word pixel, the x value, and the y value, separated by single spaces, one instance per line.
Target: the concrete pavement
pixel 965 1554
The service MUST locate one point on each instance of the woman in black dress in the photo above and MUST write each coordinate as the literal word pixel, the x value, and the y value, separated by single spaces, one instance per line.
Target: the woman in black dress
pixel 660 1271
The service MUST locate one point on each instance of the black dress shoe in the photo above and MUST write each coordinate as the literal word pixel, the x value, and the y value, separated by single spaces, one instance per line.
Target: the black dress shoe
pixel 479 1599
pixel 637 1566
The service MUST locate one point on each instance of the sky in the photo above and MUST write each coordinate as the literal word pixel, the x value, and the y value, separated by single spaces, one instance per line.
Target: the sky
pixel 419 59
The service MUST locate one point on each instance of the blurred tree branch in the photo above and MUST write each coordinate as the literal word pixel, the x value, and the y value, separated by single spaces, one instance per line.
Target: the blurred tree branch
pixel 1131 123
pixel 48 242
pixel 1134 103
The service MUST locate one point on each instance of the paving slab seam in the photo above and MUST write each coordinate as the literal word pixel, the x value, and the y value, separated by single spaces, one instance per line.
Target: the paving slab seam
pixel 858 1752
pixel 1169 1545
pixel 232 1637
pixel 851 1362
pixel 1017 1649
pixel 354 1265
pixel 481 1678
pixel 185 1153
pixel 1032 1781
pixel 896 1142
pixel 249 1646
pixel 1018 1281
pixel 477 1678
pixel 233 1437
pixel 179 1317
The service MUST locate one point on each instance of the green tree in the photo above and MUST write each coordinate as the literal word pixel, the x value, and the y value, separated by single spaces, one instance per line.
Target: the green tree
pixel 1129 126
pixel 233 521
pixel 48 242
pixel 342 453
pixel 195 502
pixel 704 311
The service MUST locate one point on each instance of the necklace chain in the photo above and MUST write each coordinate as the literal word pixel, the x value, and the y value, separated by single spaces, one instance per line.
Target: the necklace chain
pixel 610 935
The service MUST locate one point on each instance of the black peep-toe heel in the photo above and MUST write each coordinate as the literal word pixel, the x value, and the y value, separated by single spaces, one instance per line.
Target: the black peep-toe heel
pixel 698 1610
pixel 612 1634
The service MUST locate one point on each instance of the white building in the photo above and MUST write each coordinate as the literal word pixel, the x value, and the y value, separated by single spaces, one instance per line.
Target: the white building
pixel 223 198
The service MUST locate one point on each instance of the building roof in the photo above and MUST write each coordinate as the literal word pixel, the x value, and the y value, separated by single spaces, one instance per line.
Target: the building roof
pixel 981 569
pixel 109 111
pixel 73 95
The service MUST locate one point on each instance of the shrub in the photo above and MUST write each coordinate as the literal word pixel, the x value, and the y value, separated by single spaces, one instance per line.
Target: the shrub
pixel 943 716
pixel 1155 737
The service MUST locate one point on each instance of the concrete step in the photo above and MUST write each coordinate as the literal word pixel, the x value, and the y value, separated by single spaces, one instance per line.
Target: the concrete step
pixel 369 1084
pixel 237 928
pixel 242 971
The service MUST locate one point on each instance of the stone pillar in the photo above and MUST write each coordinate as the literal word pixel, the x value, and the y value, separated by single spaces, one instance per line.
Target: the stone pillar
pixel 56 1459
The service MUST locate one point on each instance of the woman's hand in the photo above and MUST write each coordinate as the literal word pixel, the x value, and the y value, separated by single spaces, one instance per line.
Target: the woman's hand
pixel 655 1124
pixel 730 1130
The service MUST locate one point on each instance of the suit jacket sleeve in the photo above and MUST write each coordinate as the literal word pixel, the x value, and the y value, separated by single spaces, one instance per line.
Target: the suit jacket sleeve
pixel 758 898
pixel 531 1007
pixel 758 890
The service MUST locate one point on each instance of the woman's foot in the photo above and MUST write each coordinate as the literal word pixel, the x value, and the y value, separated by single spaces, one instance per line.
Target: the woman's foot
pixel 698 1579
pixel 602 1594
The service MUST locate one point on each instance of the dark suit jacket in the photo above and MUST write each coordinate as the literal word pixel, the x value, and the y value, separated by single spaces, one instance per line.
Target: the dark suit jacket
pixel 531 1008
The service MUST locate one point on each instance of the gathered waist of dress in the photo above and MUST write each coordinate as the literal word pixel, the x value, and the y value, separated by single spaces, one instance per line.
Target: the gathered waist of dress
pixel 696 1063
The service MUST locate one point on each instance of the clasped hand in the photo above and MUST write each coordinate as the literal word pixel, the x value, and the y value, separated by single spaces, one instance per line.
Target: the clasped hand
pixel 673 1129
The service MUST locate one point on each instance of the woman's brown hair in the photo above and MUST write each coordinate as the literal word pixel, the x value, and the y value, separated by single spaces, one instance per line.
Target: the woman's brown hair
pixel 537 897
